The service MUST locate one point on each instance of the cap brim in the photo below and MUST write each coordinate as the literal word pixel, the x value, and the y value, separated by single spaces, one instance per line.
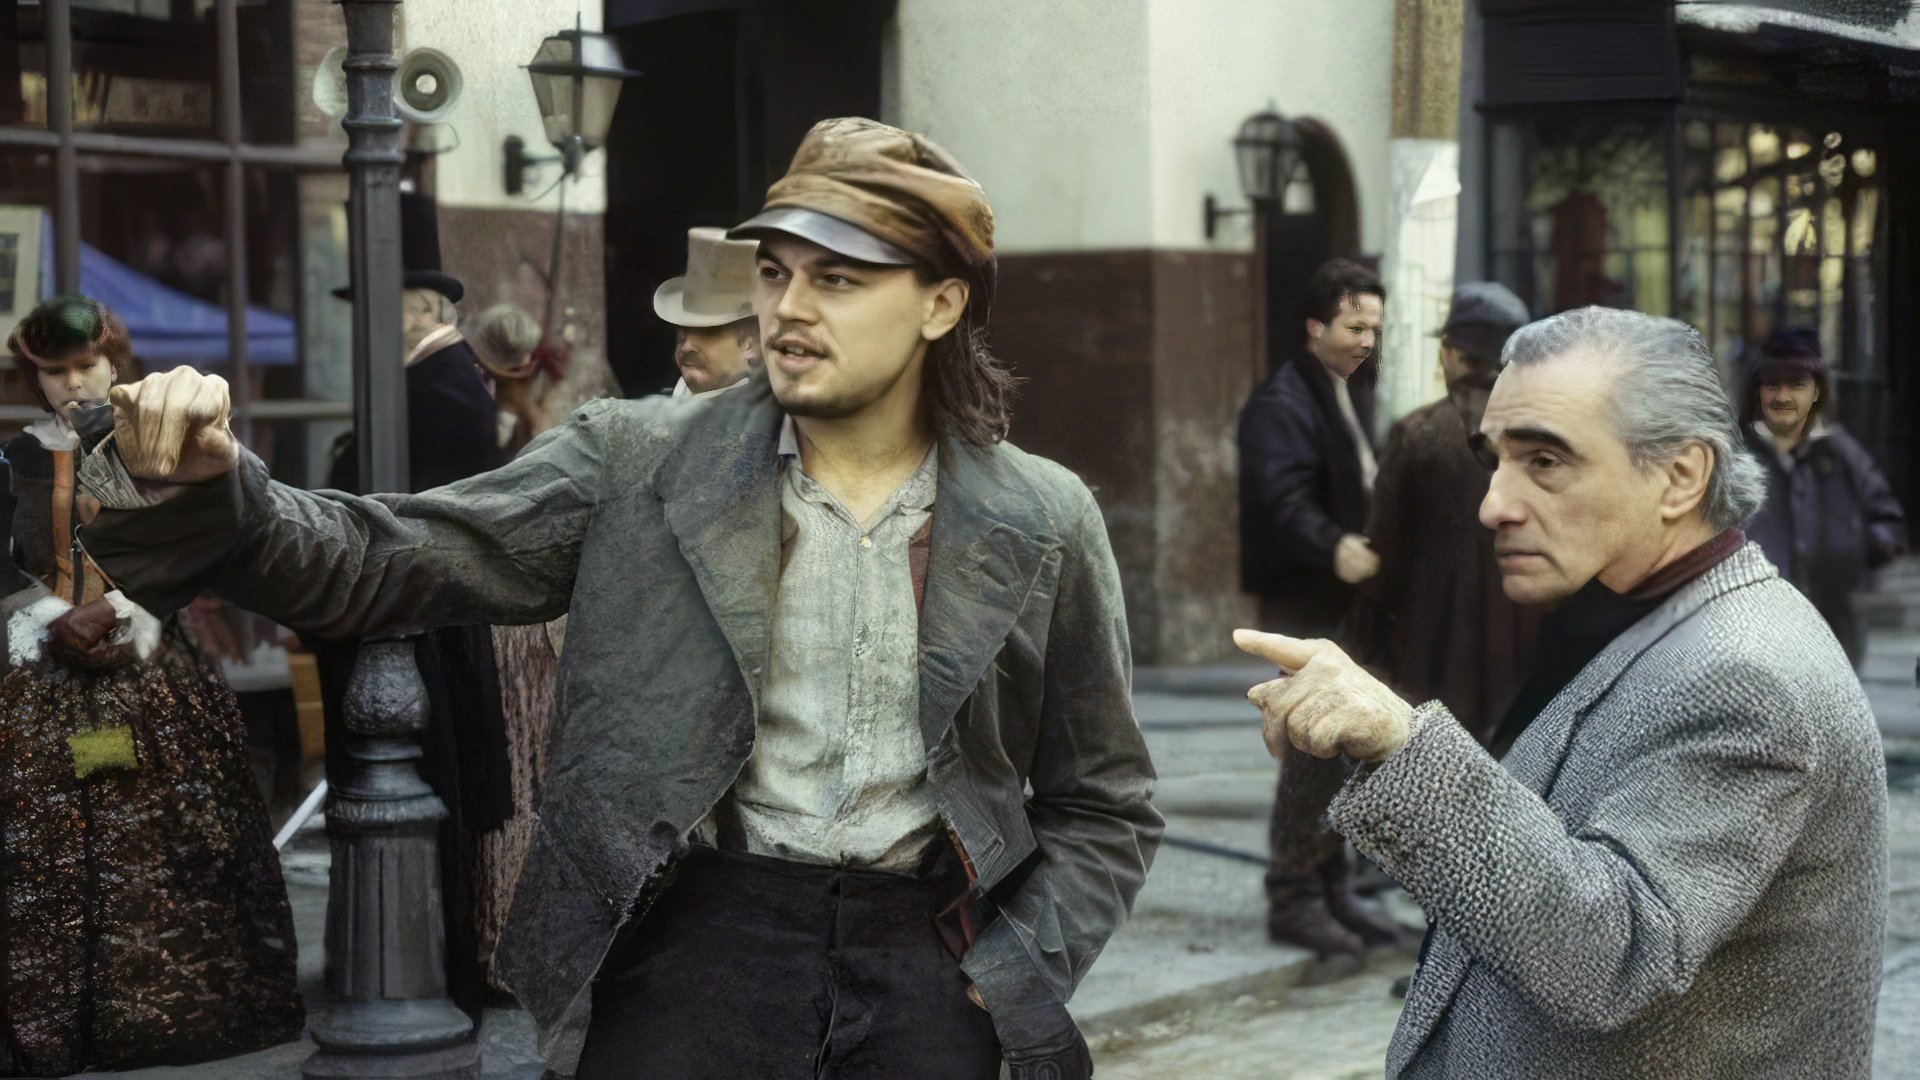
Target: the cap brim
pixel 670 303
pixel 834 234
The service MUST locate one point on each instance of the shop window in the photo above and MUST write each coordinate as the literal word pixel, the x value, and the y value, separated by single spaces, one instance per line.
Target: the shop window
pixel 149 67
pixel 1782 226
pixel 152 212
pixel 1579 213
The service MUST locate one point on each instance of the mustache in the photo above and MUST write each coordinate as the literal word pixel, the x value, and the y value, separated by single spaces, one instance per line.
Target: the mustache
pixel 789 334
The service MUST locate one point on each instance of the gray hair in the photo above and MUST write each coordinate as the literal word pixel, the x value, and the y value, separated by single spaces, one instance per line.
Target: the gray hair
pixel 1666 373
pixel 435 304
pixel 505 333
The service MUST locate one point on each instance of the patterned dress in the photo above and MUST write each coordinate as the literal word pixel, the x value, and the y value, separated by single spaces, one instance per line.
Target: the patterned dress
pixel 143 919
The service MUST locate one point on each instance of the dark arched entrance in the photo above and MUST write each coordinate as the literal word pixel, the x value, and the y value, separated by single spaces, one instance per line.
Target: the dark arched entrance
pixel 727 89
pixel 1295 244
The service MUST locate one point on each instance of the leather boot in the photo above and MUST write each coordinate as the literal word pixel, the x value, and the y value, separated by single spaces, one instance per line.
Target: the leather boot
pixel 1368 920
pixel 1302 919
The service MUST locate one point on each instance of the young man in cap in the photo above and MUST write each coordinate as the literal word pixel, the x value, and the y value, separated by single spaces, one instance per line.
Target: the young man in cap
pixel 1434 621
pixel 716 342
pixel 845 693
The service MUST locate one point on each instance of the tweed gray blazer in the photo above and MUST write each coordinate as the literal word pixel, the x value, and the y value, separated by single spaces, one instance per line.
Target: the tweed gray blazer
pixel 1680 870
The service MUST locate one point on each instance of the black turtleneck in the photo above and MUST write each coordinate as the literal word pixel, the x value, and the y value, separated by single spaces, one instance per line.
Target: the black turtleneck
pixel 1572 635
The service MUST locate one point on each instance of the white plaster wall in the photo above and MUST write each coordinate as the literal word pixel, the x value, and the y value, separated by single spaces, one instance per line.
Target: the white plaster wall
pixel 1213 63
pixel 490 41
pixel 1104 123
pixel 1045 102
pixel 1419 272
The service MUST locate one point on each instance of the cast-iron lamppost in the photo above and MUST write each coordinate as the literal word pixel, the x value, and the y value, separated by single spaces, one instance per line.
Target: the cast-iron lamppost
pixel 387 1015
pixel 576 82
pixel 1268 150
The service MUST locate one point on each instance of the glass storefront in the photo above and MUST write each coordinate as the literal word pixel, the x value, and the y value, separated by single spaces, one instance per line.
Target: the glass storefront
pixel 152 186
pixel 1739 225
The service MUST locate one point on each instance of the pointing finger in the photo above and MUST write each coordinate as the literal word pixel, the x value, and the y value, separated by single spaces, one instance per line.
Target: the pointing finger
pixel 1288 654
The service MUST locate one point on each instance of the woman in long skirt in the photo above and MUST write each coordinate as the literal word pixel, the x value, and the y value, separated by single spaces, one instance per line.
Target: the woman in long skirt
pixel 143 919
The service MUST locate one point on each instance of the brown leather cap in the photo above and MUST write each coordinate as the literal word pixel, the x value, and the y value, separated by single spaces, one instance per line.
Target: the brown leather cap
pixel 893 185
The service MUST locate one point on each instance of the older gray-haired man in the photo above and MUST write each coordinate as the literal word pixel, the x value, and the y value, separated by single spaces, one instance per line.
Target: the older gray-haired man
pixel 1680 868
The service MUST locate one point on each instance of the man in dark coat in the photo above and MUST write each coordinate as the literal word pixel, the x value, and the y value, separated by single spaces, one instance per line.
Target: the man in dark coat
pixel 1307 459
pixel 1306 469
pixel 451 419
pixel 845 752
pixel 1830 515
pixel 1434 622
pixel 451 435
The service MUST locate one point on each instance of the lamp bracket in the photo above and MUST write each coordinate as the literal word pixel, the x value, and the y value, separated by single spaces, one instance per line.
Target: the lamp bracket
pixel 1214 212
pixel 518 161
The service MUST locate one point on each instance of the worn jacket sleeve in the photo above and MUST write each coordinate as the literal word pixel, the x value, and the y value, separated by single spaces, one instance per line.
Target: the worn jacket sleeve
pixel 1277 449
pixel 1598 923
pixel 499 548
pixel 1091 808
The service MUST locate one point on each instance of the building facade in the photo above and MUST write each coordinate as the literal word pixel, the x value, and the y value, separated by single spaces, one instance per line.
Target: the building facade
pixel 1737 166
pixel 188 162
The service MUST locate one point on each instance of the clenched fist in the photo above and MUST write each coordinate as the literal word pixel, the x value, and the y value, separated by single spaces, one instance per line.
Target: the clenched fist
pixel 1326 704
pixel 173 427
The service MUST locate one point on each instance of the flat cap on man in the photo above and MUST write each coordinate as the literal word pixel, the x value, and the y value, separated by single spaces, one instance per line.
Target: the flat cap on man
pixel 881 195
pixel 1485 303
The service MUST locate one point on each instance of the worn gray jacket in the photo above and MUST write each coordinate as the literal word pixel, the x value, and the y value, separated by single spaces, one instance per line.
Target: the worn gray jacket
pixel 656 524
pixel 1680 869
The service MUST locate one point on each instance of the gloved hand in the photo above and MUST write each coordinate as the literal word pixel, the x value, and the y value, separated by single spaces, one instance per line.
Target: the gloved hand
pixel 78 638
pixel 1065 1057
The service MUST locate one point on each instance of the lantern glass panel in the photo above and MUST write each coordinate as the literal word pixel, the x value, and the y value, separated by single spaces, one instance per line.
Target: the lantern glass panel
pixel 598 97
pixel 1266 148
pixel 553 90
pixel 1259 176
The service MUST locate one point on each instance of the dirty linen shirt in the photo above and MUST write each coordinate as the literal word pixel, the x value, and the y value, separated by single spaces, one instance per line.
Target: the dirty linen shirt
pixel 839 773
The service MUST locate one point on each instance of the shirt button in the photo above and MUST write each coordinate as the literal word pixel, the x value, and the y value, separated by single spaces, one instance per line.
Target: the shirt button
pixel 866 541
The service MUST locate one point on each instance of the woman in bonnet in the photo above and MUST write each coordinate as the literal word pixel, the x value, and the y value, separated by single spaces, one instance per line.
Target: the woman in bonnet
pixel 143 919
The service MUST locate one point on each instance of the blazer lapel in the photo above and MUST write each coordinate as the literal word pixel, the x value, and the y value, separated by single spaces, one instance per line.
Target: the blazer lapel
pixel 1536 756
pixel 1535 761
pixel 1435 982
pixel 722 501
pixel 990 540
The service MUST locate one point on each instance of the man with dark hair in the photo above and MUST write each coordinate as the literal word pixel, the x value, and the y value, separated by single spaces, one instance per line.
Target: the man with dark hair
pixel 846 780
pixel 1830 516
pixel 1434 621
pixel 1306 471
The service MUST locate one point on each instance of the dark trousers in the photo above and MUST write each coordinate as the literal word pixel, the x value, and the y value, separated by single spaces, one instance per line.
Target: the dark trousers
pixel 755 967
pixel 1305 853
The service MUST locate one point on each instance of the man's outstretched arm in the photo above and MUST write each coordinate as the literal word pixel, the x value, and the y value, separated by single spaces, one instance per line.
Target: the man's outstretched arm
pixel 501 547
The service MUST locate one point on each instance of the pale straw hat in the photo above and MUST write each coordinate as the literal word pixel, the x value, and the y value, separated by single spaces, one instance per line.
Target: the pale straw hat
pixel 717 288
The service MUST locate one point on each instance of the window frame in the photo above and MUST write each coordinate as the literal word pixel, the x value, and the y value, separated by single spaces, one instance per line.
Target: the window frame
pixel 230 149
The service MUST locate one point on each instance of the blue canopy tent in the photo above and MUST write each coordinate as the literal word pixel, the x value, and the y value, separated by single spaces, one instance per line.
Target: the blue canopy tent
pixel 168 327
